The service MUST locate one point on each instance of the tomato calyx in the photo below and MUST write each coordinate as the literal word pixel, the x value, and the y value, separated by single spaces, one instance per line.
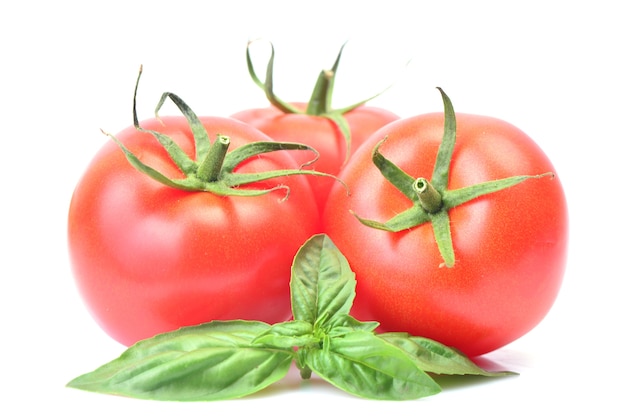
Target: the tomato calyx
pixel 213 169
pixel 432 199
pixel 320 102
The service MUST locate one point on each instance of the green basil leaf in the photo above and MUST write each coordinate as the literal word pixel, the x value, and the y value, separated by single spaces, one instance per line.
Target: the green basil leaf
pixel 213 361
pixel 341 324
pixel 367 366
pixel 288 335
pixel 437 358
pixel 322 283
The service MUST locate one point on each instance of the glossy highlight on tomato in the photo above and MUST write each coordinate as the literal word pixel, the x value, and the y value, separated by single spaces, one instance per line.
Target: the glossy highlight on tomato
pixel 510 246
pixel 148 258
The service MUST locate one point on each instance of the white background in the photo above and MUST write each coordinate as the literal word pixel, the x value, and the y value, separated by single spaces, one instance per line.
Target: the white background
pixel 553 68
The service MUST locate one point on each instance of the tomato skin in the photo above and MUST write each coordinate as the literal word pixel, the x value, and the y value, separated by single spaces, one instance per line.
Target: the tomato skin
pixel 510 246
pixel 320 133
pixel 148 258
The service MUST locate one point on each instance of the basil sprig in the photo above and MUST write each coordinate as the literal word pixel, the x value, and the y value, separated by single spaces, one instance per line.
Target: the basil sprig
pixel 230 359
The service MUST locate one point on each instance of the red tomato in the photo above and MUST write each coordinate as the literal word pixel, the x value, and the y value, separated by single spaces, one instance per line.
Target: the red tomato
pixel 148 258
pixel 510 246
pixel 320 133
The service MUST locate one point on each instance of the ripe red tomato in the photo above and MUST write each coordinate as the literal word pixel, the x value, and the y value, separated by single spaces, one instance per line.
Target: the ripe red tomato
pixel 148 258
pixel 334 133
pixel 510 246
pixel 320 133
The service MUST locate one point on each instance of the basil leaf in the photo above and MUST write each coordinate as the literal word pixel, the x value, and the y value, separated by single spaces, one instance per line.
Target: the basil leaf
pixel 367 366
pixel 288 335
pixel 322 283
pixel 435 357
pixel 213 361
pixel 341 324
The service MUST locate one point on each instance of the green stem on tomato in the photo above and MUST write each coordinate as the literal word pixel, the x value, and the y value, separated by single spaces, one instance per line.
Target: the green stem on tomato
pixel 210 168
pixel 429 197
pixel 320 101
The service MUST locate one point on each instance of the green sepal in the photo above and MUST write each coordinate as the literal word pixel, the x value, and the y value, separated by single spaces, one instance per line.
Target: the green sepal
pixel 393 173
pixel 213 361
pixel 421 213
pixel 268 85
pixel 411 217
pixel 460 196
pixel 202 142
pixel 184 184
pixel 213 169
pixel 443 236
pixel 441 172
pixel 178 156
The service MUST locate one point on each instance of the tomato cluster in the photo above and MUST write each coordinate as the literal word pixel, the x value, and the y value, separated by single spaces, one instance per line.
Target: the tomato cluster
pixel 455 224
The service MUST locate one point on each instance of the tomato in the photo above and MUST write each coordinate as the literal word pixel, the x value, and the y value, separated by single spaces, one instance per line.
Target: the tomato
pixel 510 247
pixel 149 258
pixel 321 133
pixel 334 133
